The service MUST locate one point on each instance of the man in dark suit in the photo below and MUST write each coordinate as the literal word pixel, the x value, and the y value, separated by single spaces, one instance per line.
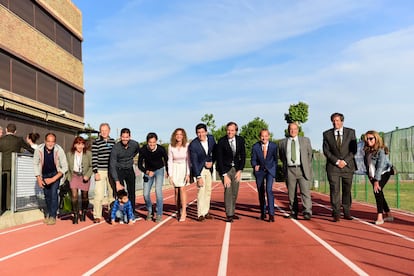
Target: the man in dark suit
pixel 296 155
pixel 339 147
pixel 201 159
pixel 264 164
pixel 9 143
pixel 231 158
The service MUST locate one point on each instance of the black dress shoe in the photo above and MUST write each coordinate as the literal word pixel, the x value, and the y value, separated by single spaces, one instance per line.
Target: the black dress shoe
pixel 292 216
pixel 271 218
pixel 307 216
pixel 201 218
pixel 229 219
pixel 348 217
pixel 236 217
pixel 263 217
pixel 336 219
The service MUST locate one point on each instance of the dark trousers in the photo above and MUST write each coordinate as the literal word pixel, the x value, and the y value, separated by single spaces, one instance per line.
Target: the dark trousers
pixel 128 176
pixel 5 191
pixel 335 181
pixel 264 183
pixel 382 205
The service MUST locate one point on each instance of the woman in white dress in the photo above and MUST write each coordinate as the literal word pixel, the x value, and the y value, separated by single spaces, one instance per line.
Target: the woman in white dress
pixel 178 169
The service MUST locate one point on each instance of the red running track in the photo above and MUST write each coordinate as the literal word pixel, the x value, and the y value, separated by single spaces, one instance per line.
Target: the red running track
pixel 246 247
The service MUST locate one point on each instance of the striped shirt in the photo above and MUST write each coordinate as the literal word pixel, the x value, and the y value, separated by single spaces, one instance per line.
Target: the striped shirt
pixel 101 151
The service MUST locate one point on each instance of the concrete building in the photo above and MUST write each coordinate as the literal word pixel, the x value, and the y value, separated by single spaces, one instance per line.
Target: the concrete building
pixel 41 69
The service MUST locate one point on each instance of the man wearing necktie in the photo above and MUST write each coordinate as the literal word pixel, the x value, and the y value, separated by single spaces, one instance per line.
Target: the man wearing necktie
pixel 231 158
pixel 339 147
pixel 264 164
pixel 296 155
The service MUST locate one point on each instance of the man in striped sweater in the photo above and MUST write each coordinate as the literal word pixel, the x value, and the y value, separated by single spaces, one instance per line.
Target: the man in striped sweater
pixel 101 151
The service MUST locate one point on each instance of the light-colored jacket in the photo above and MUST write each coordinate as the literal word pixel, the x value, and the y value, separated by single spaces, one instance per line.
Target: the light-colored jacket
pixel 378 165
pixel 60 160
pixel 86 164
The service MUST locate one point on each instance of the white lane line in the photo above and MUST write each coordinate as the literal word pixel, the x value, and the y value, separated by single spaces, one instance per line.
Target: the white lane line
pixel 125 248
pixel 335 252
pixel 365 222
pixel 222 270
pixel 21 228
pixel 47 242
pixel 128 246
pixel 375 226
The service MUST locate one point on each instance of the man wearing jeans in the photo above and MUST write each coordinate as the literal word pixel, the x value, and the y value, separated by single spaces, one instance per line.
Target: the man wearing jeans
pixel 153 162
pixel 50 165
pixel 121 164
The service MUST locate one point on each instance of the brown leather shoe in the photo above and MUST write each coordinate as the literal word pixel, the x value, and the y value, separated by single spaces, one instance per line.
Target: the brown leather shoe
pixel 97 220
pixel 208 216
pixel 201 218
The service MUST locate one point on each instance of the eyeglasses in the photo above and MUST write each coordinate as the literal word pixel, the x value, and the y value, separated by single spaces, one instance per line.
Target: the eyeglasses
pixel 370 138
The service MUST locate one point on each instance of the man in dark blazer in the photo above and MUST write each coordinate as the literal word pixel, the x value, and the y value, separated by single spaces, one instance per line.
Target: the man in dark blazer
pixel 231 158
pixel 201 160
pixel 264 164
pixel 296 155
pixel 9 143
pixel 339 147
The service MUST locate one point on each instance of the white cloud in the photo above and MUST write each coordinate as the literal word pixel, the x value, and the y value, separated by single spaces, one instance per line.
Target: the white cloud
pixel 167 69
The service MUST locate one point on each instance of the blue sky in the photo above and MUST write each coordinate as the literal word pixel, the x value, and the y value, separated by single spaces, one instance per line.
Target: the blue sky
pixel 158 65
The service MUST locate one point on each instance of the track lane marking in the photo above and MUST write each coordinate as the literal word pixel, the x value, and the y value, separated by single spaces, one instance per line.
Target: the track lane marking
pixel 133 242
pixel 47 242
pixel 335 252
pixel 224 255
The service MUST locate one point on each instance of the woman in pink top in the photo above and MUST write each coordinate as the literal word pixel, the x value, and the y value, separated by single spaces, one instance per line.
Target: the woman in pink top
pixel 178 169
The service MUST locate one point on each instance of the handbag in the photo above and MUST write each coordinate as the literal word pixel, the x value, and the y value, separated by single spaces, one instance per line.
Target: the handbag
pixel 67 203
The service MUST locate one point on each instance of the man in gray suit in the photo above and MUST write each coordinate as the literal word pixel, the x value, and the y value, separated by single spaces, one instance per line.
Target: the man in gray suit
pixel 296 155
pixel 339 147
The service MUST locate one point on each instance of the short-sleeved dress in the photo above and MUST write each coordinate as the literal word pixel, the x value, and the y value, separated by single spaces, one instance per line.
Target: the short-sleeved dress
pixel 178 165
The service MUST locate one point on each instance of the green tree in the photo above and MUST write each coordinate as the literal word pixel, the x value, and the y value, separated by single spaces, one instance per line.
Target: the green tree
pixel 297 113
pixel 89 133
pixel 219 132
pixel 250 132
pixel 208 119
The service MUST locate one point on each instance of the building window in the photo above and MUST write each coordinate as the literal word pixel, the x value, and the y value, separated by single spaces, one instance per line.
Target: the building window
pixel 46 89
pixel 40 19
pixel 4 71
pixel 23 80
pixel 65 97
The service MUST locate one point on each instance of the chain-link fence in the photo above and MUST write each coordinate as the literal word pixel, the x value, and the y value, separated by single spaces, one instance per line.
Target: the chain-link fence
pixel 399 190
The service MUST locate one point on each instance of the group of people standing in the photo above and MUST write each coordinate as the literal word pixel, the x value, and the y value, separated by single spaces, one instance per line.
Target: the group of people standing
pixel 112 165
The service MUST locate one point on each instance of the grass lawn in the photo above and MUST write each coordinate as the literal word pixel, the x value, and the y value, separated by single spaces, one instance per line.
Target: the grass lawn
pixel 362 191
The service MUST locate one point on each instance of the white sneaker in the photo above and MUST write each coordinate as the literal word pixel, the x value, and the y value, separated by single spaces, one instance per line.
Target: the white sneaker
pixel 390 218
pixel 379 222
